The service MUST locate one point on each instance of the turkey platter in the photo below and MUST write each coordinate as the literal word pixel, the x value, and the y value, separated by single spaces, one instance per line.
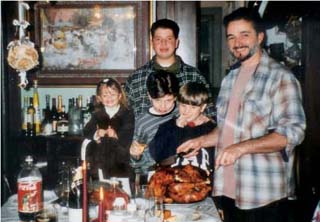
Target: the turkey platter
pixel 183 184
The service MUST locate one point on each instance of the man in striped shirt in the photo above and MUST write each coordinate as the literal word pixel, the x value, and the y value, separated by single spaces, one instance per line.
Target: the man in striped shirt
pixel 260 121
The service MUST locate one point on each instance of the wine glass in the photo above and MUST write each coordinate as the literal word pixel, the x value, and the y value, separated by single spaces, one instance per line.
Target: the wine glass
pixel 63 186
pixel 139 145
pixel 137 165
pixel 141 200
pixel 48 213
pixel 155 211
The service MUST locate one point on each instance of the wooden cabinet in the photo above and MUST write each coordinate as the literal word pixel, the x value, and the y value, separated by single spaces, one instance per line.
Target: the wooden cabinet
pixel 49 152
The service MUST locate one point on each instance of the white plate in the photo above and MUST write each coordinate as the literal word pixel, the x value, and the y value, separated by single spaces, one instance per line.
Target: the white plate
pixel 49 196
pixel 185 215
pixel 182 204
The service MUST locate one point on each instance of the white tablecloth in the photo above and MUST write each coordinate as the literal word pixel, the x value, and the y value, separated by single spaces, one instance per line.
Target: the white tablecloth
pixel 207 209
pixel 9 210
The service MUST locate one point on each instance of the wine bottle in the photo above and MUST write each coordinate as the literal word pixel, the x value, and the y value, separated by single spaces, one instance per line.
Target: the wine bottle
pixel 81 108
pixel 92 104
pixel 86 113
pixel 24 116
pixel 70 105
pixel 76 195
pixel 54 115
pixel 30 119
pixel 46 125
pixel 63 123
pixel 70 114
pixel 47 110
pixel 74 119
pixel 36 105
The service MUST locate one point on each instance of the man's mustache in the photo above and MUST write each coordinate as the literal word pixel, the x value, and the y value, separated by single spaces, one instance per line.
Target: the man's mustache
pixel 240 47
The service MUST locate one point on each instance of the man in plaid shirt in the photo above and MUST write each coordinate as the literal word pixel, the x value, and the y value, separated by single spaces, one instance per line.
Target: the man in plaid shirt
pixel 165 41
pixel 260 120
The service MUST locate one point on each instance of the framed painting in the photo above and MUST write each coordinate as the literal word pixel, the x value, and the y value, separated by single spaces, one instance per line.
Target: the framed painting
pixel 83 42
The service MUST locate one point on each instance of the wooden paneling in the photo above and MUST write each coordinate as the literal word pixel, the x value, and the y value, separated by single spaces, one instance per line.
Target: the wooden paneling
pixel 10 99
pixel 308 152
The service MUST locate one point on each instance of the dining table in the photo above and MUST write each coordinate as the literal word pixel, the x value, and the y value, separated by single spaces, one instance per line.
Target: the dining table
pixel 205 209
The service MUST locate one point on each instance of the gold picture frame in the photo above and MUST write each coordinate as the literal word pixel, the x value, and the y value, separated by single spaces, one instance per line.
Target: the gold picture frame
pixel 83 42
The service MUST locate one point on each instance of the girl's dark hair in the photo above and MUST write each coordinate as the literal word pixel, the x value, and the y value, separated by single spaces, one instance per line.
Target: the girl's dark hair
pixel 247 14
pixel 193 93
pixel 115 85
pixel 166 24
pixel 161 83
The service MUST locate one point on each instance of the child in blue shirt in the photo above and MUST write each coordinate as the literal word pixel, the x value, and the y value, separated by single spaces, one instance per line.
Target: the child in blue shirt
pixel 191 123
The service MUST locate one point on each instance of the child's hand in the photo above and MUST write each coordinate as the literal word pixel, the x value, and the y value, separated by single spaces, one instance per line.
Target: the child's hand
pixel 136 149
pixel 202 119
pixel 101 133
pixel 181 122
pixel 110 132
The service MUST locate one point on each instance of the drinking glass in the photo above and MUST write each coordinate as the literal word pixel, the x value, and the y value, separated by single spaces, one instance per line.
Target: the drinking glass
pixel 155 211
pixel 49 213
pixel 141 146
pixel 141 191
pixel 140 143
pixel 138 171
pixel 63 186
pixel 136 163
pixel 141 201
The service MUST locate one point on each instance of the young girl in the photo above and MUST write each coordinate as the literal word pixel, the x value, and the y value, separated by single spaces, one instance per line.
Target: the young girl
pixel 111 127
pixel 191 123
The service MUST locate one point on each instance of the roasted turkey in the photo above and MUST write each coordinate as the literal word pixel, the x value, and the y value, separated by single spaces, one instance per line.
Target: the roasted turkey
pixel 184 184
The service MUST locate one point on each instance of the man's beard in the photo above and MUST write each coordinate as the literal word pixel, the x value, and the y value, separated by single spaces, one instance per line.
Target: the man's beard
pixel 252 51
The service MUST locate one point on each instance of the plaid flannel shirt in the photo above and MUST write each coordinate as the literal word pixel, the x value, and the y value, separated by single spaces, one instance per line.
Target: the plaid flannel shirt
pixel 136 88
pixel 271 102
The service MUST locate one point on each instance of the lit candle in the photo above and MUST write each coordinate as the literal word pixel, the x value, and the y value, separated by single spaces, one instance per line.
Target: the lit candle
pixel 101 207
pixel 85 193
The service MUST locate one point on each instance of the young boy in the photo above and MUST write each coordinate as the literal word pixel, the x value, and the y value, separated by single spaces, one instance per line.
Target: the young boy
pixel 191 123
pixel 165 41
pixel 162 87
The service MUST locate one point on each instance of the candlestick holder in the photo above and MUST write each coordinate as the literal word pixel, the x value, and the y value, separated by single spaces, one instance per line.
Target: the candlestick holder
pixel 85 214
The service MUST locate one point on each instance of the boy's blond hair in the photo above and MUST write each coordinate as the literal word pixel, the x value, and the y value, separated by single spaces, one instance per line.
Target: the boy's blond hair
pixel 193 93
